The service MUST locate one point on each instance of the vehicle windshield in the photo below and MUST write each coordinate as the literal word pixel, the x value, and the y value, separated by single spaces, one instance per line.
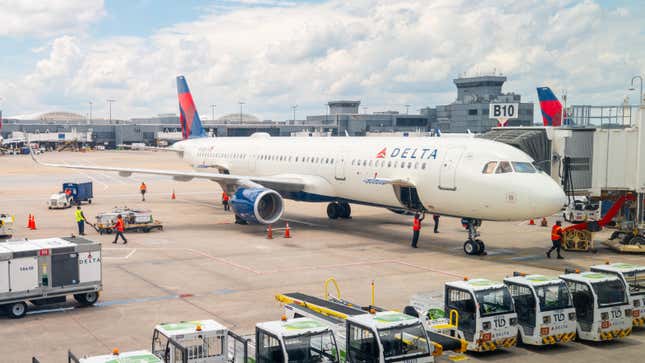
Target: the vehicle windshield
pixel 610 292
pixel 523 167
pixel 553 297
pixel 404 341
pixel 636 282
pixel 307 348
pixel 494 301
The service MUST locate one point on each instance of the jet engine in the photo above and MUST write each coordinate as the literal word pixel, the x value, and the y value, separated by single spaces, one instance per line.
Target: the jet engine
pixel 258 205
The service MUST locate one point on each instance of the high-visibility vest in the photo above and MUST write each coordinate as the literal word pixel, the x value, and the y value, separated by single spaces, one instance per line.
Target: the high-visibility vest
pixel 556 233
pixel 119 225
pixel 79 215
pixel 417 224
pixel 143 187
pixel 224 197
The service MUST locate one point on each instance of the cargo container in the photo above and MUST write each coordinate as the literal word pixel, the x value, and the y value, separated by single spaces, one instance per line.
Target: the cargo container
pixel 46 271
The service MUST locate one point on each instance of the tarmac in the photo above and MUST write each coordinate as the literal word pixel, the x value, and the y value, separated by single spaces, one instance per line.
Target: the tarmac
pixel 203 266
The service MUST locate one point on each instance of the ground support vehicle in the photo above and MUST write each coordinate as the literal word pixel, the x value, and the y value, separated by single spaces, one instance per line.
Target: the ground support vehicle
pixel 545 311
pixel 484 314
pixel 603 311
pixel 629 238
pixel 6 225
pixel 633 277
pixel 116 357
pixel 371 335
pixel 135 220
pixel 46 271
pixel 71 193
pixel 579 237
pixel 60 200
pixel 581 209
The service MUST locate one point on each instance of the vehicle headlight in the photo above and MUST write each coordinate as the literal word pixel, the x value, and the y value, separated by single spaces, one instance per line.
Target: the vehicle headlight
pixel 546 319
pixel 628 312
pixel 637 303
pixel 486 325
pixel 513 321
pixel 572 316
pixel 604 316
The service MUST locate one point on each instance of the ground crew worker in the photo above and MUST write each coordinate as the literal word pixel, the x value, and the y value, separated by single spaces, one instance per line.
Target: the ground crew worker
pixel 556 239
pixel 80 220
pixel 143 188
pixel 435 218
pixel 119 227
pixel 416 228
pixel 225 199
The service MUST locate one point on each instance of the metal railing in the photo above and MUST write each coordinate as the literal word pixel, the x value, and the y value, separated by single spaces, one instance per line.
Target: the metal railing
pixel 602 116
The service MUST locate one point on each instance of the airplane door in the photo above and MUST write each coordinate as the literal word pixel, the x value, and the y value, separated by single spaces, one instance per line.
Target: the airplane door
pixel 339 172
pixel 448 169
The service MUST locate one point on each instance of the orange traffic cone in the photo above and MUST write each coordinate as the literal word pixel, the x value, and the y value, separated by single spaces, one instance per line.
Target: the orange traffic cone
pixel 543 223
pixel 269 232
pixel 33 222
pixel 531 222
pixel 29 221
pixel 173 195
pixel 287 231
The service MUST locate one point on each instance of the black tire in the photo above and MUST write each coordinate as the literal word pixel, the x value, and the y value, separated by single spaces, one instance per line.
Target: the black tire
pixel 17 310
pixel 637 241
pixel 480 246
pixel 471 248
pixel 88 298
pixel 89 201
pixel 333 210
pixel 146 230
pixel 346 210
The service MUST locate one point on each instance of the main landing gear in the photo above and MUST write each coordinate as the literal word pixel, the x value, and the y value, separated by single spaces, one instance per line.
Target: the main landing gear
pixel 339 210
pixel 473 246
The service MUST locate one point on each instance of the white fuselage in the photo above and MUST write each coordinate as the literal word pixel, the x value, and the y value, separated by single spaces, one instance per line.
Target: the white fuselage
pixel 446 171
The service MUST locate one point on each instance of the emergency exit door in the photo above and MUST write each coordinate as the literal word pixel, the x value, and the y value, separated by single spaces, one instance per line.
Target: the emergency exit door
pixel 448 169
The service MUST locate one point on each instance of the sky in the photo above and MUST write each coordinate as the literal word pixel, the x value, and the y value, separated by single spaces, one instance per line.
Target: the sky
pixel 273 54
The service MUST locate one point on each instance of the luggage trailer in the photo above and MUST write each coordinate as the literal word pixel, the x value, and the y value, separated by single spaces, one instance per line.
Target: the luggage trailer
pixel 545 311
pixel 603 311
pixel 371 335
pixel 45 271
pixel 633 277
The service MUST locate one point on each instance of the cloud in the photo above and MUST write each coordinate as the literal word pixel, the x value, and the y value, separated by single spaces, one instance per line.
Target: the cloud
pixel 385 52
pixel 46 18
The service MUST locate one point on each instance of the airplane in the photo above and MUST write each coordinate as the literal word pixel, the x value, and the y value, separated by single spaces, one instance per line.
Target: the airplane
pixel 552 112
pixel 472 178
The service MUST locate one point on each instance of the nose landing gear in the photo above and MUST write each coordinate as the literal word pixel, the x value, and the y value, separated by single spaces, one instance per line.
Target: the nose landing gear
pixel 473 246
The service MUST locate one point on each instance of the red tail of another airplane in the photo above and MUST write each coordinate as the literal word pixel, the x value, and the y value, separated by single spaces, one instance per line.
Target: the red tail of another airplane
pixel 191 125
pixel 550 106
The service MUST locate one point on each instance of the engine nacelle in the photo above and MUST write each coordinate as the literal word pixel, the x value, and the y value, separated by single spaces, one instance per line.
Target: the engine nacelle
pixel 258 205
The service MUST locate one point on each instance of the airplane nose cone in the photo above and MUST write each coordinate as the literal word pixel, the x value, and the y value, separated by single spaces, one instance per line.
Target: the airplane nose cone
pixel 548 199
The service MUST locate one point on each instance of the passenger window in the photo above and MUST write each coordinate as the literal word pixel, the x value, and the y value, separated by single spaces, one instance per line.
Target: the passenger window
pixel 364 162
pixel 389 164
pixel 416 165
pixel 489 168
pixel 409 164
pixel 523 167
pixel 370 163
pixel 504 167
pixel 402 164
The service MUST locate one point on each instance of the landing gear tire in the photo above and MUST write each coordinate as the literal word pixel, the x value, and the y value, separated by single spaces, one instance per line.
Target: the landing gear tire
pixel 346 210
pixel 481 247
pixel 471 248
pixel 333 210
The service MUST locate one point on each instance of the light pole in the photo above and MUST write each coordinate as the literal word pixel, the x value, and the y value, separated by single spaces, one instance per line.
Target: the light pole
pixel 241 104
pixel 632 88
pixel 109 102
pixel 213 112
pixel 407 109
pixel 294 113
pixel 90 111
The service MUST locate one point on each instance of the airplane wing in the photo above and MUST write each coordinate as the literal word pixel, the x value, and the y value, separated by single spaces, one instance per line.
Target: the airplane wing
pixel 151 148
pixel 282 183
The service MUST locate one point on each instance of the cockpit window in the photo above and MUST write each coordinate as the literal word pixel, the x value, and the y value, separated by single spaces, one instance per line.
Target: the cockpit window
pixel 489 168
pixel 523 167
pixel 504 167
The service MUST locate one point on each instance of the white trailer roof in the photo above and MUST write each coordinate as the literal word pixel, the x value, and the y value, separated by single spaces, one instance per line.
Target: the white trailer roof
pixel 619 267
pixel 384 319
pixel 534 280
pixel 189 327
pixel 293 327
pixel 139 356
pixel 476 284
pixel 35 245
pixel 589 277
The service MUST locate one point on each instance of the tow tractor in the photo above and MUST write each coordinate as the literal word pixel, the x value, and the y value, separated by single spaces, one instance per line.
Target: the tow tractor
pixel 484 314
pixel 544 308
pixel 633 276
pixel 603 311
pixel 579 237
pixel 365 335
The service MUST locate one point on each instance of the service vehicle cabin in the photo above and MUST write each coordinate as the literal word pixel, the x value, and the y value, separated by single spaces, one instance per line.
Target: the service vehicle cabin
pixel 60 200
pixel 486 314
pixel 295 340
pixel 581 209
pixel 46 271
pixel 633 277
pixel 545 311
pixel 603 311
pixel 143 356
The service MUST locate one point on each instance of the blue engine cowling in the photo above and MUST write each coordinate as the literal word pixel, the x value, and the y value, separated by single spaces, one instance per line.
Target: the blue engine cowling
pixel 258 205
